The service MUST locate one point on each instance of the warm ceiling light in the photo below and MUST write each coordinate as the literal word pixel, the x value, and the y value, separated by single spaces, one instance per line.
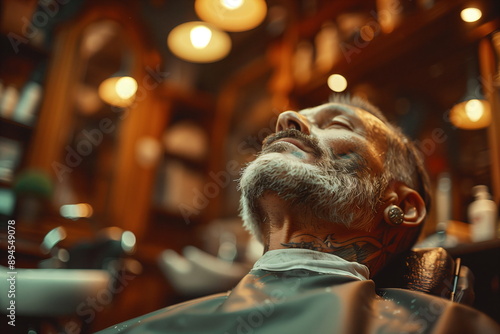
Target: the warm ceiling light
pixel 126 87
pixel 474 110
pixel 232 4
pixel 232 15
pixel 337 83
pixel 199 42
pixel 471 14
pixel 471 115
pixel 200 36
pixel 118 91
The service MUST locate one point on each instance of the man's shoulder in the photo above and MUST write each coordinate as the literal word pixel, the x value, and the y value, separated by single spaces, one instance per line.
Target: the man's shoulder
pixel 434 312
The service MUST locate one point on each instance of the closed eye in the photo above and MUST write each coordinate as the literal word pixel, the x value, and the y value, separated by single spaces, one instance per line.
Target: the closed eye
pixel 339 122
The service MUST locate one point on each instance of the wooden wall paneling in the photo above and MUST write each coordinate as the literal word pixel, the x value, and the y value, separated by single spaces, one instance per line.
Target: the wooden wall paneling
pixel 133 184
pixel 52 128
pixel 489 66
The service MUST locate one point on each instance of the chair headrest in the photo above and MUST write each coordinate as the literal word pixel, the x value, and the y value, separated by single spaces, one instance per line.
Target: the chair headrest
pixel 428 270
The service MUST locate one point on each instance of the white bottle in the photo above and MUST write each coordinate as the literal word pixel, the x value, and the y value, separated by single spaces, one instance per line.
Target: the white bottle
pixel 482 215
pixel 25 111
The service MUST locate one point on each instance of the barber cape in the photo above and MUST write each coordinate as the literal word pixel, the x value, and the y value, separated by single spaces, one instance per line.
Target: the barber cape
pixel 304 291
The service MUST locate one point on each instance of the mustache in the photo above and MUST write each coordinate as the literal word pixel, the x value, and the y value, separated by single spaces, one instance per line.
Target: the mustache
pixel 309 141
pixel 348 162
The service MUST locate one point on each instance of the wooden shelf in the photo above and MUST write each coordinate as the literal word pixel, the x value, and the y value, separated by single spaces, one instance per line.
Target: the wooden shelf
pixel 15 130
pixel 25 50
pixel 475 247
pixel 438 29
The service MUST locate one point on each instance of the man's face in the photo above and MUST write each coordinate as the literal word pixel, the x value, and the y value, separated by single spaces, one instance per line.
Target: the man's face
pixel 329 158
pixel 333 133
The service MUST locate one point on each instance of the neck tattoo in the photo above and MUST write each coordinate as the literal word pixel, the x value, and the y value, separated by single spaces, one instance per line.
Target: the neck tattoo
pixel 366 250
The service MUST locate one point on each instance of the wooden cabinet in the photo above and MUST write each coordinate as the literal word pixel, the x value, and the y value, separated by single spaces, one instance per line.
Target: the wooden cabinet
pixel 22 74
pixel 185 154
pixel 85 146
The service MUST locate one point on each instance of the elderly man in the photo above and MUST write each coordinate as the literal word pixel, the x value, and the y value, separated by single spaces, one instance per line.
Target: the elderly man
pixel 336 193
pixel 337 179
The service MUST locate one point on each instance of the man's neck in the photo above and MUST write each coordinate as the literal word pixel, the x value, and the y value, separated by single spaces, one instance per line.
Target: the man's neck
pixel 291 227
pixel 364 249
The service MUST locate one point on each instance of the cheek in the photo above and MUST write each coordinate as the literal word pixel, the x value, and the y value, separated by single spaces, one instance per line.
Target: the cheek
pixel 356 151
pixel 342 145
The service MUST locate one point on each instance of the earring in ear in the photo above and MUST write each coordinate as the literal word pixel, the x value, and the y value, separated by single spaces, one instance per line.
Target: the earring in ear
pixel 393 215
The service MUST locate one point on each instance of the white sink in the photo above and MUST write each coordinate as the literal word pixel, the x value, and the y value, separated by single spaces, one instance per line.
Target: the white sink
pixel 52 292
pixel 198 273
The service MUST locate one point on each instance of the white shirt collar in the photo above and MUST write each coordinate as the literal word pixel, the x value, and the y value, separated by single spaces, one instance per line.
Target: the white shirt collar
pixel 297 258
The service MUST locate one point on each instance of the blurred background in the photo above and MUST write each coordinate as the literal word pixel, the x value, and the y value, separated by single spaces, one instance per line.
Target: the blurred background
pixel 124 125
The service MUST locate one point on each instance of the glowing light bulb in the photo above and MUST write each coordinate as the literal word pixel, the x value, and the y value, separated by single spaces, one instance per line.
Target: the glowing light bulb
pixel 471 14
pixel 199 42
pixel 232 4
pixel 337 83
pixel 126 87
pixel 232 15
pixel 474 110
pixel 200 36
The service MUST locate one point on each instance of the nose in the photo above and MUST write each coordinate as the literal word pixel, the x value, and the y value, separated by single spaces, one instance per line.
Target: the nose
pixel 293 120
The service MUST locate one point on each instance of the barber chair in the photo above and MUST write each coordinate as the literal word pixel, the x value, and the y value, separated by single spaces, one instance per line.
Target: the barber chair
pixel 429 270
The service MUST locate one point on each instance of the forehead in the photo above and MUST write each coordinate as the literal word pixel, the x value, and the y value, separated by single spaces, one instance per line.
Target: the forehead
pixel 327 110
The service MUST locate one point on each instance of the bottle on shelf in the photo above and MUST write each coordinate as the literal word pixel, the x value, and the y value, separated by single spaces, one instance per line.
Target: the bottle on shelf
pixel 25 111
pixel 8 101
pixel 482 214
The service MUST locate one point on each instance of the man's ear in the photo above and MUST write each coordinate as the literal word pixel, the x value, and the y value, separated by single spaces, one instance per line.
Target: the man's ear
pixel 409 201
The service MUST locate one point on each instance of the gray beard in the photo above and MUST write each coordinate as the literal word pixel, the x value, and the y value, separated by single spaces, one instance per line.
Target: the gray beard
pixel 340 191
